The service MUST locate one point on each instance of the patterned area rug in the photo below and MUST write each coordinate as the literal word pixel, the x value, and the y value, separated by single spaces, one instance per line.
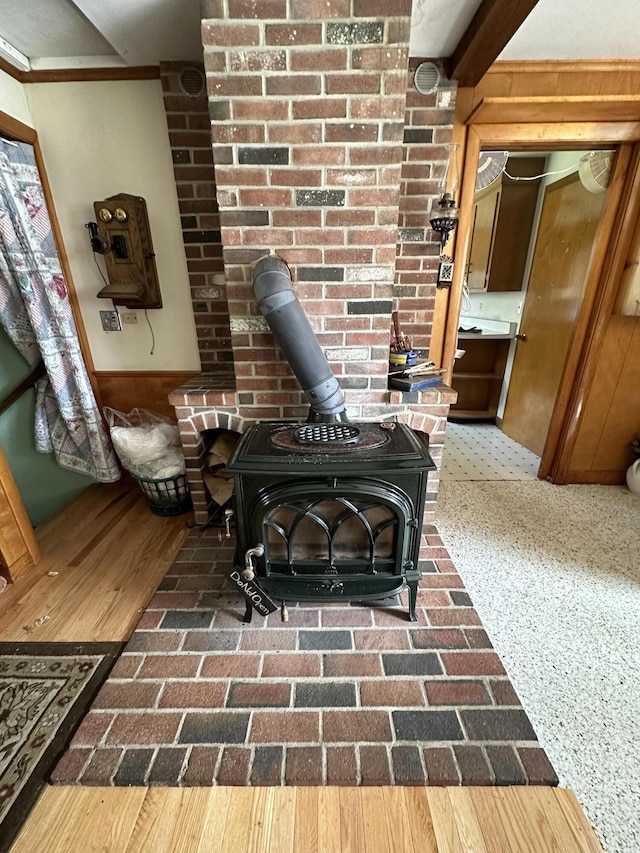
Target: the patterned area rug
pixel 337 695
pixel 45 690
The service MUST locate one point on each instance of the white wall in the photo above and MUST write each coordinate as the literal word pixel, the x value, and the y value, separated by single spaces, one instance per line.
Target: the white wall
pixel 13 100
pixel 99 139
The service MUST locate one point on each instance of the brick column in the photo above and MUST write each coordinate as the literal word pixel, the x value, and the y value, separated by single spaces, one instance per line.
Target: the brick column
pixel 307 125
pixel 190 140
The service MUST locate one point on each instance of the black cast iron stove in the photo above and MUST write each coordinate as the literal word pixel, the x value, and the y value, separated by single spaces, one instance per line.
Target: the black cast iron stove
pixel 337 522
pixel 326 510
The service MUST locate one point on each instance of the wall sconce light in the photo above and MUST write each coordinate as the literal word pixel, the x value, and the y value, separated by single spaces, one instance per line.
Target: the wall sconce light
pixel 444 220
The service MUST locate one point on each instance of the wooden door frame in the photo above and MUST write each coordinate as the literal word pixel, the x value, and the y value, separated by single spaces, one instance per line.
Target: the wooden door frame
pixel 601 285
pixel 14 129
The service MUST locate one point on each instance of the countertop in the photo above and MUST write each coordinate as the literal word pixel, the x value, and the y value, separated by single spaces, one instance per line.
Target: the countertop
pixel 490 329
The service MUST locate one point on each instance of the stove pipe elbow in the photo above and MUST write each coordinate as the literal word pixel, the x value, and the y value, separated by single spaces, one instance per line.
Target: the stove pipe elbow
pixel 286 318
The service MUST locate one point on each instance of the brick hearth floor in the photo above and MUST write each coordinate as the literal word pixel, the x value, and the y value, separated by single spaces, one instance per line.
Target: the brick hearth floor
pixel 339 695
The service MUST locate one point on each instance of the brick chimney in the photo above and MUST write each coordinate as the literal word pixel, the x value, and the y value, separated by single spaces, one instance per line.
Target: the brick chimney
pixel 308 114
pixel 318 139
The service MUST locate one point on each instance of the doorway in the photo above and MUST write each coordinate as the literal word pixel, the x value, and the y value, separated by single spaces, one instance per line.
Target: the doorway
pixel 526 282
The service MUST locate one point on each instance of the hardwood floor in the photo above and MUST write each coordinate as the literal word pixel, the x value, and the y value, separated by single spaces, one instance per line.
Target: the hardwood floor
pixel 109 552
pixel 307 820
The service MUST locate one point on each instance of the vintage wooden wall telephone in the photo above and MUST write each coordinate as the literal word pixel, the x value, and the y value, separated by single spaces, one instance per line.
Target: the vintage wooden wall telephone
pixel 121 233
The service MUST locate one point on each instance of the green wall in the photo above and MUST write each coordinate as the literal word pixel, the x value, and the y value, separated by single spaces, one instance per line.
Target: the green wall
pixel 45 487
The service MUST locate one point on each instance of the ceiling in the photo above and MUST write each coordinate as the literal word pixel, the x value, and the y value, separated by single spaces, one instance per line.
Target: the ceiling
pixel 555 29
pixel 53 34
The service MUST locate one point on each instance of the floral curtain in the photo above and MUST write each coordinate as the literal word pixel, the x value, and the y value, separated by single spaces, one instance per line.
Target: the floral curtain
pixel 35 311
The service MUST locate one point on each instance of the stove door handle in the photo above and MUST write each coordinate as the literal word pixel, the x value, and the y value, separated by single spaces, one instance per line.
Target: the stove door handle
pixel 228 515
pixel 249 571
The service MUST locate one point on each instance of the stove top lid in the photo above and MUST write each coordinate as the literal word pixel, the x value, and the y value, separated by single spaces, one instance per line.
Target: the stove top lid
pixel 400 447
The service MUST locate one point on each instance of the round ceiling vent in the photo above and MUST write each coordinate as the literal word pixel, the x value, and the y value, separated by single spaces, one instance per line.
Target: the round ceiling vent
pixel 426 78
pixel 192 82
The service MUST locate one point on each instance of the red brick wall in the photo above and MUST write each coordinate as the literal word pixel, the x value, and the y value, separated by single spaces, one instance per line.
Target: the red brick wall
pixel 308 158
pixel 190 140
pixel 324 153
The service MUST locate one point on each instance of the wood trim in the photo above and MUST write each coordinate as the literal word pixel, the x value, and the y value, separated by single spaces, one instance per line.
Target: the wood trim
pixel 127 389
pixel 443 295
pixel 565 66
pixel 543 135
pixel 489 32
pixel 624 194
pixel 565 108
pixel 92 75
pixel 11 70
pixel 10 126
pixel 463 240
pixel 79 75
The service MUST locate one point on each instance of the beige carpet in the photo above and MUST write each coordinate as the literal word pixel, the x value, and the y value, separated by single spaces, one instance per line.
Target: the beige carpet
pixel 554 572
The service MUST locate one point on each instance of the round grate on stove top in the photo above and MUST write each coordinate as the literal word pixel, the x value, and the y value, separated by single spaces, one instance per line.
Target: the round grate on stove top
pixel 327 434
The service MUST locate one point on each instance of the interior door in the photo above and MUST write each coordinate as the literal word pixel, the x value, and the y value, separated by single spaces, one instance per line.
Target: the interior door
pixel 483 232
pixel 568 224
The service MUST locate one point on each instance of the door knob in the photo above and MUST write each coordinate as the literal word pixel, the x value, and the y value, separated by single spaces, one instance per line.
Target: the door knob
pixel 521 337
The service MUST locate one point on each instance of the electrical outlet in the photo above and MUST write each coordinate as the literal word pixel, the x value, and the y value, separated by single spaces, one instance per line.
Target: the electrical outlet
pixel 480 305
pixel 110 321
pixel 129 317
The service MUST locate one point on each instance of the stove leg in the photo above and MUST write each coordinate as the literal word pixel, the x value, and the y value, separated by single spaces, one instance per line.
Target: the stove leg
pixel 248 613
pixel 413 598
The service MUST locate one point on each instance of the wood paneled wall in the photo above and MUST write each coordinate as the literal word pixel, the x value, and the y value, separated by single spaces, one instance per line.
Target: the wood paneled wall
pixel 126 390
pixel 611 416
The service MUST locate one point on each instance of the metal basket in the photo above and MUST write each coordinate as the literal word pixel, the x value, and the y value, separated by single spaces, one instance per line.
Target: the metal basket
pixel 167 497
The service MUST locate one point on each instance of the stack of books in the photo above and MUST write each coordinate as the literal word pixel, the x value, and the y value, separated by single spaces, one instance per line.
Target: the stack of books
pixel 422 375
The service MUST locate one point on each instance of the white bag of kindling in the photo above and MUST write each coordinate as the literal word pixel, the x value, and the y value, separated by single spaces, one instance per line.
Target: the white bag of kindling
pixel 147 444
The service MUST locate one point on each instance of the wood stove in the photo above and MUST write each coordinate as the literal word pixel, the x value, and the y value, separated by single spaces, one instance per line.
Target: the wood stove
pixel 328 512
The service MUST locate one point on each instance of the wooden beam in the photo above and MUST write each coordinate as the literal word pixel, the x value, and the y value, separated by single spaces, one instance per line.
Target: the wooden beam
pixel 91 75
pixel 563 108
pixel 487 35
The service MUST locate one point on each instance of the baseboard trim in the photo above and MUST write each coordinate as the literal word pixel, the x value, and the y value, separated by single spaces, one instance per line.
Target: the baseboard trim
pixel 602 478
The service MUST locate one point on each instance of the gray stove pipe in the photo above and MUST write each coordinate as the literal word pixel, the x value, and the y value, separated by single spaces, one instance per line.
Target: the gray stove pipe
pixel 288 322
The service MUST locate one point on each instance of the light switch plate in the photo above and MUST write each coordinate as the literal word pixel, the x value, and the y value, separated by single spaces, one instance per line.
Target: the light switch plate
pixel 110 321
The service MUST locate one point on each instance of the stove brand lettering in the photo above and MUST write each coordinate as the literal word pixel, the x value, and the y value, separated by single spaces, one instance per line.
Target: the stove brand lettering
pixel 256 597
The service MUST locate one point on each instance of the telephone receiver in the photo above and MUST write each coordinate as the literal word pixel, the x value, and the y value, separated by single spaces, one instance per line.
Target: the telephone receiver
pixel 118 245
